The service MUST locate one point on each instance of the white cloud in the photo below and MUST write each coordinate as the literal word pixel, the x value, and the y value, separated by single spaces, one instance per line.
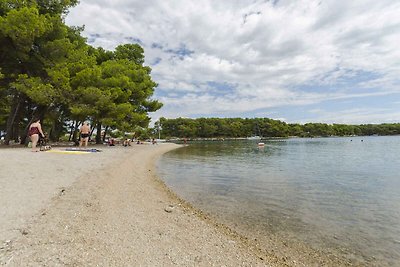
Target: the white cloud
pixel 355 116
pixel 265 51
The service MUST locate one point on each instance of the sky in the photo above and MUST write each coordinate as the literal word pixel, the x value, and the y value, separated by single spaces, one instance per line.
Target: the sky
pixel 299 61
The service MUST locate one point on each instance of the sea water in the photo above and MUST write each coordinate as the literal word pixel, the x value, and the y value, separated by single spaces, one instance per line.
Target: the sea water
pixel 338 196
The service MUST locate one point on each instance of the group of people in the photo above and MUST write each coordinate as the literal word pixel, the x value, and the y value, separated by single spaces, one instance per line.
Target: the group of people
pixel 35 132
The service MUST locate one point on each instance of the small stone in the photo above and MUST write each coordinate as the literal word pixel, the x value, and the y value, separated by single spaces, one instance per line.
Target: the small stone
pixel 197 259
pixel 169 208
pixel 62 192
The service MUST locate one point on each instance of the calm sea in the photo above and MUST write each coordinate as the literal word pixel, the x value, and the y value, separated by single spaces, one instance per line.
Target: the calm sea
pixel 339 196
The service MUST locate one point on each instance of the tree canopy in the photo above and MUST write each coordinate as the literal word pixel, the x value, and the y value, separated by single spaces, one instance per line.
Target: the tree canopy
pixel 47 70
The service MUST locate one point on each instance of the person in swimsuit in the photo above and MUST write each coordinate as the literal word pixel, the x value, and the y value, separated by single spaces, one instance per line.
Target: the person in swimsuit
pixel 85 132
pixel 34 130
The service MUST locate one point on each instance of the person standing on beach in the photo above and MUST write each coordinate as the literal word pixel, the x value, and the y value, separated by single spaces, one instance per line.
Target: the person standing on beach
pixel 34 130
pixel 85 132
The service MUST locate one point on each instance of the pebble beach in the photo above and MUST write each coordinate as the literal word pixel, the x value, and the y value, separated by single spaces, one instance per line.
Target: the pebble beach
pixel 107 208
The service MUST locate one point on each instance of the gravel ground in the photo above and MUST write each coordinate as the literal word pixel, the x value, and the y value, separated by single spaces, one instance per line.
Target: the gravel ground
pixel 107 209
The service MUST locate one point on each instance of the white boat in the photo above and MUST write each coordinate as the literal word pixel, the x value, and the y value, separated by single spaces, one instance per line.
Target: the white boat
pixel 256 137
pixel 261 144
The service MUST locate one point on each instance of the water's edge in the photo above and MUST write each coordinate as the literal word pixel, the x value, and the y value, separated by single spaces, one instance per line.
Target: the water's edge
pixel 272 236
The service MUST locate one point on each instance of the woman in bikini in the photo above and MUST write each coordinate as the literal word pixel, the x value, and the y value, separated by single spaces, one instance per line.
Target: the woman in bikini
pixel 34 130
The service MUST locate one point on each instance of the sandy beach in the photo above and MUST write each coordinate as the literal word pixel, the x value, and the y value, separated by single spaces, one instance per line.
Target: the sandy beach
pixel 105 209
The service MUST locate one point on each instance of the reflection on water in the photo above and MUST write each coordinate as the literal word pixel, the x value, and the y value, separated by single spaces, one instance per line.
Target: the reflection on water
pixel 333 194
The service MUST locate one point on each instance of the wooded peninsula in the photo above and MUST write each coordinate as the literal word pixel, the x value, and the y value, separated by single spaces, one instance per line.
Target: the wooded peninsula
pixel 264 127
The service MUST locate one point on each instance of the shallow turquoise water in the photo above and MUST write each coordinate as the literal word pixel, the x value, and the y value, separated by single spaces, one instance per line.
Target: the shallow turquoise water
pixel 340 195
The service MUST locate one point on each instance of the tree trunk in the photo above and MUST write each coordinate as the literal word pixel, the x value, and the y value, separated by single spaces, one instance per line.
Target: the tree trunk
pixel 24 138
pixel 76 132
pixel 71 132
pixel 98 134
pixel 105 134
pixel 53 134
pixel 16 133
pixel 57 128
pixel 14 113
pixel 91 132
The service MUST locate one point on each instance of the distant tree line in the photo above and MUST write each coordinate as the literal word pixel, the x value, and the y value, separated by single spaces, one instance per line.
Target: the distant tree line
pixel 48 71
pixel 265 127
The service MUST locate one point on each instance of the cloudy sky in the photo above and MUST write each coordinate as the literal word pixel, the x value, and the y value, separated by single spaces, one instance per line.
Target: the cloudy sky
pixel 331 61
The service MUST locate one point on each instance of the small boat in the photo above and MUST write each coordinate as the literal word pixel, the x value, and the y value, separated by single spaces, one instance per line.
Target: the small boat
pixel 256 137
pixel 261 144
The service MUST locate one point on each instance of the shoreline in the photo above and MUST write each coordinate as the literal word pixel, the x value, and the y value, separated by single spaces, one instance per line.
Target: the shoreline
pixel 273 250
pixel 115 210
pixel 115 213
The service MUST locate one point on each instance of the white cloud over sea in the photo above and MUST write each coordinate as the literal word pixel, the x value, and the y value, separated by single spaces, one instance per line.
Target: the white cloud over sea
pixel 279 59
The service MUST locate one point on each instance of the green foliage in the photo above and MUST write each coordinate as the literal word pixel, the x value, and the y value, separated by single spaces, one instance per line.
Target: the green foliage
pixel 55 6
pixel 35 89
pixel 47 69
pixel 142 133
pixel 116 134
pixel 132 52
pixel 238 127
pixel 115 93
pixel 22 26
